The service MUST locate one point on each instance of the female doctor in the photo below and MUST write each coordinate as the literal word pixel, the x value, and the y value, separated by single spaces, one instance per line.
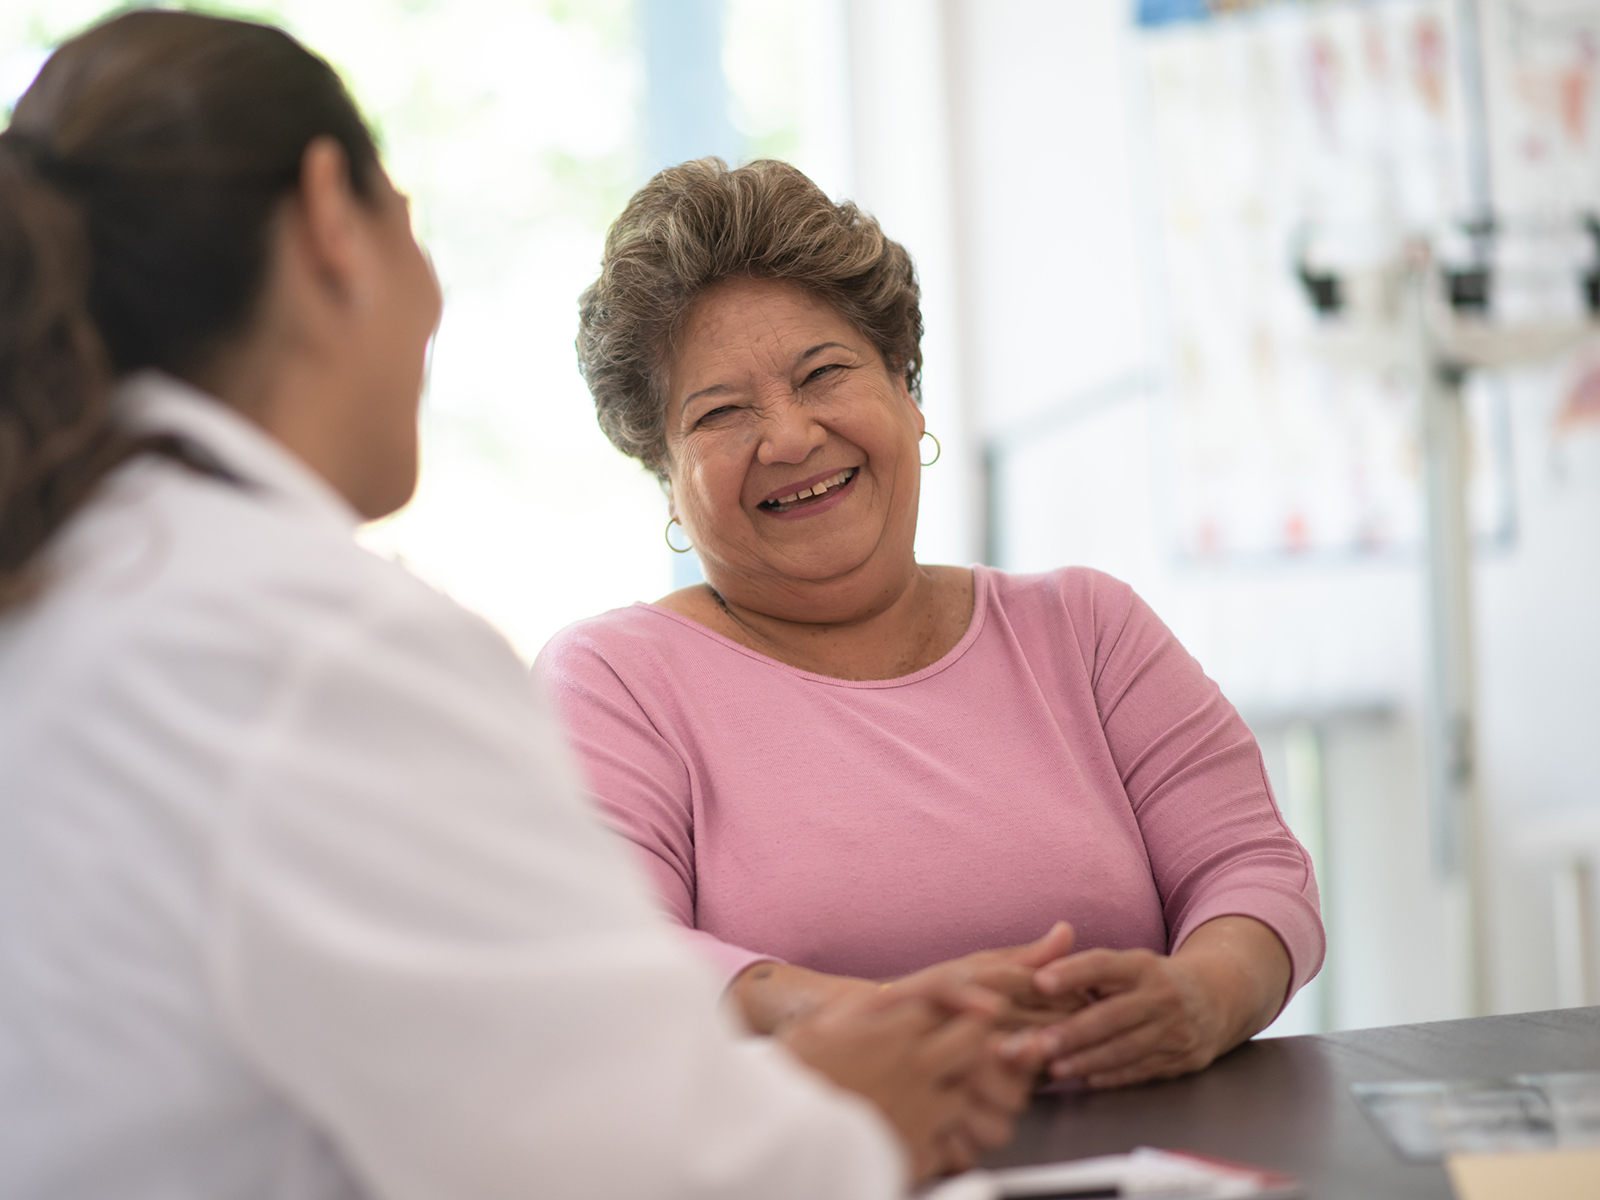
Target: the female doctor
pixel 296 895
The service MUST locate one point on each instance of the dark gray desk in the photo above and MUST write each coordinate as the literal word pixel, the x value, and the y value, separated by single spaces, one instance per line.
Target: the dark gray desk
pixel 1286 1103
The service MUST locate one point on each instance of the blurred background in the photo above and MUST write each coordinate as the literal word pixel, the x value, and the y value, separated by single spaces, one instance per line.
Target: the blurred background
pixel 1163 245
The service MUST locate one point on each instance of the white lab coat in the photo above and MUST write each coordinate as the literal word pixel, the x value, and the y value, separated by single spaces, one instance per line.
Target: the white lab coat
pixel 298 899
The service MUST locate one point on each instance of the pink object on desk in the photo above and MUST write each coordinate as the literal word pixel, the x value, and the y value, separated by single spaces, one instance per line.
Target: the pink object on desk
pixel 1067 759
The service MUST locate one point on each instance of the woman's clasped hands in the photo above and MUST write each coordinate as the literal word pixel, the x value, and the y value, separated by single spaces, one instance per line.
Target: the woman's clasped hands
pixel 1109 1018
pixel 1156 1016
pixel 950 1053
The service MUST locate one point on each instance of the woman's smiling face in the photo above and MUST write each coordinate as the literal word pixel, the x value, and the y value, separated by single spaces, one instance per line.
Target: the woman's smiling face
pixel 793 451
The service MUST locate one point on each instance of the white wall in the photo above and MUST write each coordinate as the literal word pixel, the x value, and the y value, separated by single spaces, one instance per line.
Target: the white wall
pixel 900 94
pixel 1051 222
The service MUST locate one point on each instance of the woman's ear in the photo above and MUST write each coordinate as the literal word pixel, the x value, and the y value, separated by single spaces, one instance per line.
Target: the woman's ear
pixel 329 222
pixel 918 417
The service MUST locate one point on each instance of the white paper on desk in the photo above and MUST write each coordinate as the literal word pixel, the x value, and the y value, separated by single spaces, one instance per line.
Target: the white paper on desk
pixel 1426 1119
pixel 1145 1172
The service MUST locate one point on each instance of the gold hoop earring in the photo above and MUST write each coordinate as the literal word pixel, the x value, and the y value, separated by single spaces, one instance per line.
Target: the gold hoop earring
pixel 667 533
pixel 937 449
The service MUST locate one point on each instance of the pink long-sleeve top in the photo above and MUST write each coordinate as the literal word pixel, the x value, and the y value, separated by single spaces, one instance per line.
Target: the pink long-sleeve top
pixel 1066 759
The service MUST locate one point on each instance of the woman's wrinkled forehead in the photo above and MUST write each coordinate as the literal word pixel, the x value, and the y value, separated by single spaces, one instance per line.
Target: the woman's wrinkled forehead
pixel 752 314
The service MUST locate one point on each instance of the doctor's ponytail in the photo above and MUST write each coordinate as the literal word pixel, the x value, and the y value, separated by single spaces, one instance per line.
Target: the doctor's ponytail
pixel 56 438
pixel 139 180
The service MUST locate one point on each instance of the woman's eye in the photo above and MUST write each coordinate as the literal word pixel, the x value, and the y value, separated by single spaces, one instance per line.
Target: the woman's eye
pixel 715 412
pixel 821 371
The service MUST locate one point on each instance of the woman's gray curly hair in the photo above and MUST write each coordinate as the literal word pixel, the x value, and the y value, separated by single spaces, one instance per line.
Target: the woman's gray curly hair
pixel 699 223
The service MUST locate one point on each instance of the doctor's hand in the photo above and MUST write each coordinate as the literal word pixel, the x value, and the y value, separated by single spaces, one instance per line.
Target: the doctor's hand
pixel 1151 1016
pixel 946 1080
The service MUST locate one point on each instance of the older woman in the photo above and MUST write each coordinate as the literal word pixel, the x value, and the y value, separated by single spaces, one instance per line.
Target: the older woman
pixel 842 766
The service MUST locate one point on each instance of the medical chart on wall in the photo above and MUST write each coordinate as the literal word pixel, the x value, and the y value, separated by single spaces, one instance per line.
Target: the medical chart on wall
pixel 1332 131
pixel 1542 58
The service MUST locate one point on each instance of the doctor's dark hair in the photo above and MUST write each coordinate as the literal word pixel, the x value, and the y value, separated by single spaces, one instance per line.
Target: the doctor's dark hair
pixel 699 223
pixel 139 180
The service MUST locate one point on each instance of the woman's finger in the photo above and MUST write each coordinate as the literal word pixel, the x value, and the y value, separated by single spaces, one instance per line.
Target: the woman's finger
pixel 1116 1053
pixel 1091 969
pixel 1109 1018
pixel 1057 943
pixel 1147 1068
pixel 1029 1048
pixel 1012 980
pixel 1167 1060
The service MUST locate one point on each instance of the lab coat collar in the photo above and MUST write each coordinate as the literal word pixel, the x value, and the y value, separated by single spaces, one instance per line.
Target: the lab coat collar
pixel 155 402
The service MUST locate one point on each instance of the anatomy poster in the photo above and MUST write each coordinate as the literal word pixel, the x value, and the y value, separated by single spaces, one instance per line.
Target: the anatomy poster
pixel 1540 59
pixel 1333 130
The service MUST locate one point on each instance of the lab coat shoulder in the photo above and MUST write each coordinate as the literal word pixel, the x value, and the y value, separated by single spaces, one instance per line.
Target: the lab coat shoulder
pixel 236 595
pixel 222 588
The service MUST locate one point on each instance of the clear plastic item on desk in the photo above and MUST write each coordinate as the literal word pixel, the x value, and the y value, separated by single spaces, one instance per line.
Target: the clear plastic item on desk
pixel 1427 1119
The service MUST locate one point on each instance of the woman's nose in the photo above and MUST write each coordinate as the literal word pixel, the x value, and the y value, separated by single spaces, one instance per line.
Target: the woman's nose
pixel 789 433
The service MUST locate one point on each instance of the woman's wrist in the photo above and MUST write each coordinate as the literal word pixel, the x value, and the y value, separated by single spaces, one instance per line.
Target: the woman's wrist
pixel 1243 972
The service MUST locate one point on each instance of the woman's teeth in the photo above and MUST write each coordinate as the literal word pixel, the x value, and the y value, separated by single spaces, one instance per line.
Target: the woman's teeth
pixel 812 492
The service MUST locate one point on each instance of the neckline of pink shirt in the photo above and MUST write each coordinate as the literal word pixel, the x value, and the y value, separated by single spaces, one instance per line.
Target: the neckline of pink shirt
pixel 980 608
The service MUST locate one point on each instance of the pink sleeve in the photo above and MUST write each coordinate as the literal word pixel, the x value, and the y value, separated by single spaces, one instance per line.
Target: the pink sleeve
pixel 638 780
pixel 1191 768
